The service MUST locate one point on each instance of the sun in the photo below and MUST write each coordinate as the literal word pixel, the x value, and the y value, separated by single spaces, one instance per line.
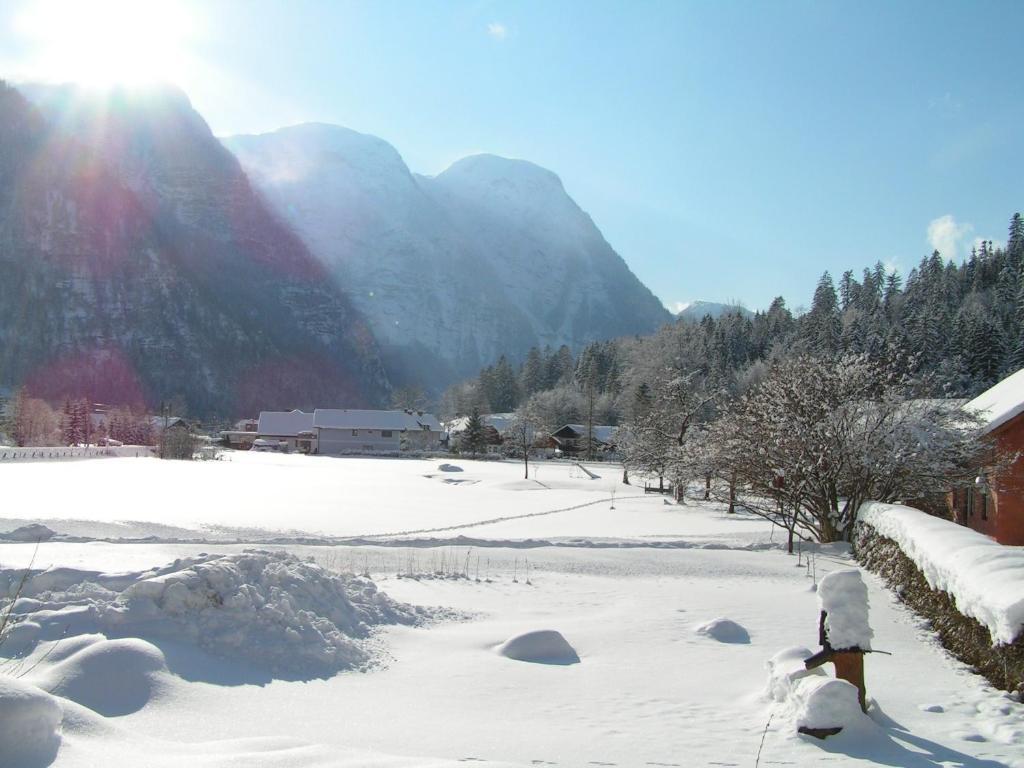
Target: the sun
pixel 108 42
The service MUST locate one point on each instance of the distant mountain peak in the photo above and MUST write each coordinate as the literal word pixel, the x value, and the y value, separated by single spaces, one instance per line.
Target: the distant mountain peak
pixel 487 166
pixel 698 310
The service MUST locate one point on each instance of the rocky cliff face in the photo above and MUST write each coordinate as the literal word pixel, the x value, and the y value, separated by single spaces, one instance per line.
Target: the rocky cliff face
pixel 139 265
pixel 489 258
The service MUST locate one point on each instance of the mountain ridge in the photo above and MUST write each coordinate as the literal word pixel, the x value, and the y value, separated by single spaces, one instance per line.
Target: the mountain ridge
pixel 142 265
pixel 489 257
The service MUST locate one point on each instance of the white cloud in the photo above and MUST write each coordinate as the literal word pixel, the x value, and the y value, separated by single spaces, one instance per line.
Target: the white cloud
pixel 949 237
pixel 497 30
pixel 676 307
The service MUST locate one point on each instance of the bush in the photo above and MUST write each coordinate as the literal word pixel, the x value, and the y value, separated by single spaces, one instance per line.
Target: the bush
pixel 177 444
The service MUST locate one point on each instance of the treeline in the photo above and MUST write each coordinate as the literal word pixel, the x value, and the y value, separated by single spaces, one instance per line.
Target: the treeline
pixel 31 421
pixel 959 327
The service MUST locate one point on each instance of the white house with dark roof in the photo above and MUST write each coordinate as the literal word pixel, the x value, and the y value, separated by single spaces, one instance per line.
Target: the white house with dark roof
pixel 355 431
pixel 345 430
pixel 293 429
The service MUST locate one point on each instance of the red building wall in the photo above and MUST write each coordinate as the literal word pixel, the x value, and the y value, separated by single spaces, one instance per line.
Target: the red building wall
pixel 1001 516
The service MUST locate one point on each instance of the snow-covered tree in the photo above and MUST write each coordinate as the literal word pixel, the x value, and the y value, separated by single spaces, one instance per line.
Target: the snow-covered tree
pixel 662 440
pixel 819 436
pixel 520 437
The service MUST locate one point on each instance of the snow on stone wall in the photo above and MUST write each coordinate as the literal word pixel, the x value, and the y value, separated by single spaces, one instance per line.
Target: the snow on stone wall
pixel 986 579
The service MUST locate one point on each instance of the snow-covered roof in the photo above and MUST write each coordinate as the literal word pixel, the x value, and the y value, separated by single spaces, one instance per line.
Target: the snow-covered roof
pixel 1001 403
pixel 344 418
pixel 282 423
pixel 985 578
pixel 500 421
pixel 602 432
pixel 159 422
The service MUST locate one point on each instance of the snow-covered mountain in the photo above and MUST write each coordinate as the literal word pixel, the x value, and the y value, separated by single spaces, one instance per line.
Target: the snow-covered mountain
pixel 138 265
pixel 490 257
pixel 698 310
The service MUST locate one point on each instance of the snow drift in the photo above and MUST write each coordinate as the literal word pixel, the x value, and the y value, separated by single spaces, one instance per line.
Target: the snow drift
pixel 724 631
pixel 985 579
pixel 289 617
pixel 111 677
pixel 29 724
pixel 809 698
pixel 544 646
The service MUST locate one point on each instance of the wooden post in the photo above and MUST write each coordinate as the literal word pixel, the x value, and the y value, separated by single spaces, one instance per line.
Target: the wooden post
pixel 850 667
pixel 849 663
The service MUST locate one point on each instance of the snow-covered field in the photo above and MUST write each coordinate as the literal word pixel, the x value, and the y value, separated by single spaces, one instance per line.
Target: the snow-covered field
pixel 193 663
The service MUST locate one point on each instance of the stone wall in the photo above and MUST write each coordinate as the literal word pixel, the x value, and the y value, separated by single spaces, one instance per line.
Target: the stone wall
pixel 964 637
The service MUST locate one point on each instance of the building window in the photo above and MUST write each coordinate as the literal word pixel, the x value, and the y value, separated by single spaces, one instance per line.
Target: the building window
pixel 984 506
pixel 355 433
pixel 385 433
pixel 969 494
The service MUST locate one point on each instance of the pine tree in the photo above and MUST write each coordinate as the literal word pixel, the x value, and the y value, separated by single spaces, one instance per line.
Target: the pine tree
pixel 560 367
pixel 1015 360
pixel 1015 242
pixel 822 323
pixel 84 421
pixel 502 387
pixel 985 353
pixel 893 283
pixel 67 429
pixel 532 378
pixel 473 437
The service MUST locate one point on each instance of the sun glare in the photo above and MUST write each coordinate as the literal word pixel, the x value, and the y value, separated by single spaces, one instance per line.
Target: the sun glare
pixel 108 42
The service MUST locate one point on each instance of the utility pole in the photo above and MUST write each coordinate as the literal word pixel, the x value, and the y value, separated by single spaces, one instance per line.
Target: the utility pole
pixel 590 418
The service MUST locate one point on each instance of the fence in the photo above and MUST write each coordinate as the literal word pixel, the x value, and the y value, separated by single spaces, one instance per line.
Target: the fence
pixel 47 453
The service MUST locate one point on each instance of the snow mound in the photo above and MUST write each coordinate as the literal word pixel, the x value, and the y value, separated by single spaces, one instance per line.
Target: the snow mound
pixel 289 617
pixel 724 631
pixel 986 579
pixel 809 697
pixel 786 668
pixel 111 677
pixel 844 597
pixel 29 724
pixel 449 468
pixel 30 532
pixel 543 646
pixel 825 702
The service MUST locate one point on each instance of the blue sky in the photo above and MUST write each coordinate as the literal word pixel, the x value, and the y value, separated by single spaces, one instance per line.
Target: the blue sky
pixel 728 151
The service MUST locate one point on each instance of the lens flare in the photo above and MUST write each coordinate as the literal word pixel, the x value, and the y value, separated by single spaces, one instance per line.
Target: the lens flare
pixel 108 42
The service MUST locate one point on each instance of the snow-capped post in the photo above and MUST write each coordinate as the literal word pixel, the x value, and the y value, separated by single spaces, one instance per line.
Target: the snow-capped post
pixel 843 629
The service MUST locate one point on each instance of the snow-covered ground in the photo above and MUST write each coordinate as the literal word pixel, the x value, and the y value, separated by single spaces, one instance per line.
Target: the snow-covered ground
pixel 633 590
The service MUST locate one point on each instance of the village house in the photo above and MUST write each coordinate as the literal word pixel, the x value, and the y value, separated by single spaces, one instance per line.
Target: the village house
pixel 355 431
pixel 169 424
pixel 338 431
pixel 242 435
pixel 288 430
pixel 496 429
pixel 995 505
pixel 571 439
